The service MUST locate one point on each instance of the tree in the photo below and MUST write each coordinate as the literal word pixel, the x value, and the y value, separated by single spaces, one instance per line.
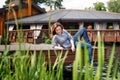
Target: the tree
pixel 56 4
pixel 7 1
pixel 88 8
pixel 35 1
pixel 114 6
pixel 99 6
pixel 39 1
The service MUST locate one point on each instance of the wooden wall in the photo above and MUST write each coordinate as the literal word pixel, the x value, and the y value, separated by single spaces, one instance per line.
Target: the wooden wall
pixel 21 13
pixel 1 24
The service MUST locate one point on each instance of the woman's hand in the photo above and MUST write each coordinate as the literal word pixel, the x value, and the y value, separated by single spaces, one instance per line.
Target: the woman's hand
pixel 58 47
pixel 73 49
pixel 72 44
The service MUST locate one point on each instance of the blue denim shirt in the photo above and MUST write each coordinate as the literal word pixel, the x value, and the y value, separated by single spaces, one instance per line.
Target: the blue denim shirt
pixel 62 40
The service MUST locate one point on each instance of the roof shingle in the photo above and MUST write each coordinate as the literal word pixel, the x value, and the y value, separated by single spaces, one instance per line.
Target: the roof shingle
pixel 70 15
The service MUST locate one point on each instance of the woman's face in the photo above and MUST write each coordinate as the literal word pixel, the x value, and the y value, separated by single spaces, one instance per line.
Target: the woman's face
pixel 58 30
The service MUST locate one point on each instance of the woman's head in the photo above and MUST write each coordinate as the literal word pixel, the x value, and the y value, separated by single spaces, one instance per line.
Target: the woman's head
pixel 57 28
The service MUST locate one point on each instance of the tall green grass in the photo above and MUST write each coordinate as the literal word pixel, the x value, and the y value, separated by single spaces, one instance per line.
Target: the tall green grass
pixel 83 70
pixel 22 66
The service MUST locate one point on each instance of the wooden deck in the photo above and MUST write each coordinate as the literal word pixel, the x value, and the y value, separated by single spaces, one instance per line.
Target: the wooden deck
pixel 45 48
pixel 26 46
pixel 38 47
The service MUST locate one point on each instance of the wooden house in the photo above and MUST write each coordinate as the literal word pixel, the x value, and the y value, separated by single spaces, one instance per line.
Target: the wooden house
pixel 35 27
pixel 16 10
pixel 106 22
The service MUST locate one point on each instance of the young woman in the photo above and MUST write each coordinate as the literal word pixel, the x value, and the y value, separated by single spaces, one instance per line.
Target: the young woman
pixel 63 40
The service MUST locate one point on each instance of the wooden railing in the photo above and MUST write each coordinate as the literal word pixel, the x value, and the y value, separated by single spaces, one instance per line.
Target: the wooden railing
pixel 29 35
pixel 24 35
pixel 105 35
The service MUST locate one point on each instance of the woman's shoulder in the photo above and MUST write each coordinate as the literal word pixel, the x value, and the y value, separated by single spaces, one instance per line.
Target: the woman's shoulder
pixel 65 31
pixel 54 36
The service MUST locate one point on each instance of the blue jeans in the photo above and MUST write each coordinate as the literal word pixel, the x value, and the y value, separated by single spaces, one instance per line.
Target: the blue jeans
pixel 83 33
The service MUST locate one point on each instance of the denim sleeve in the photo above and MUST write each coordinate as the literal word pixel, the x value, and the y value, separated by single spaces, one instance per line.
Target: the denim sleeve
pixel 69 35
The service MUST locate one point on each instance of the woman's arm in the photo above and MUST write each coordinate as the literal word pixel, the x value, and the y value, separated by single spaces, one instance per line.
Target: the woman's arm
pixel 72 44
pixel 71 41
pixel 58 47
pixel 55 44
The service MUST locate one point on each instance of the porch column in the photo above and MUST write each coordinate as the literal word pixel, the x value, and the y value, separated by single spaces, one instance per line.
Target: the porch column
pixel 32 26
pixel 97 26
pixel 116 26
pixel 37 29
pixel 37 32
pixel 104 26
pixel 11 27
pixel 81 24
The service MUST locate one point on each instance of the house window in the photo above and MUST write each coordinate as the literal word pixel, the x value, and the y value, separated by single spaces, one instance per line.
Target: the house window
pixel 86 25
pixel 45 27
pixel 22 27
pixel 70 25
pixel 25 26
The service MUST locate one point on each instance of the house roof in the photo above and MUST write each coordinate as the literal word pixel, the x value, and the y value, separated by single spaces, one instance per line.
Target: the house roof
pixel 69 16
pixel 2 10
pixel 24 5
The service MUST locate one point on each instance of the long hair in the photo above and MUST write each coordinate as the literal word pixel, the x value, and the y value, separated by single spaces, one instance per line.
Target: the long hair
pixel 54 26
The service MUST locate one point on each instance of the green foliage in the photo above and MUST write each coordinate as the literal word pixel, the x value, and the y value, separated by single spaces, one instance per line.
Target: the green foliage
pixel 114 6
pixel 83 70
pixel 8 1
pixel 23 66
pixel 71 27
pixel 39 1
pixel 110 27
pixel 47 40
pixel 56 4
pixel 99 6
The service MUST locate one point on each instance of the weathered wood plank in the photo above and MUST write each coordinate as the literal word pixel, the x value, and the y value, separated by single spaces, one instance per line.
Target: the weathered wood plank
pixel 45 48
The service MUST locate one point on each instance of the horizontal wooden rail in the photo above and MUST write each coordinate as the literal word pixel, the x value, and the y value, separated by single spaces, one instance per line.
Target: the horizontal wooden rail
pixel 29 35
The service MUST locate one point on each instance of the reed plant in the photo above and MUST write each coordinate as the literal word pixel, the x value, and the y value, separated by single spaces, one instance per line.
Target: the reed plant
pixel 84 70
pixel 22 66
